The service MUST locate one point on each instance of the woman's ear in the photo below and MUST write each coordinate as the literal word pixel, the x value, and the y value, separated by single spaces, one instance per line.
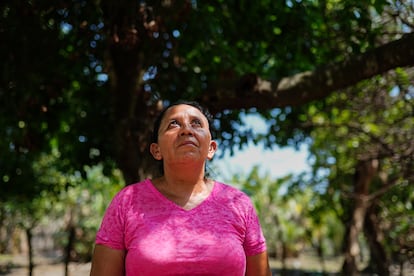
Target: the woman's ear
pixel 155 151
pixel 212 149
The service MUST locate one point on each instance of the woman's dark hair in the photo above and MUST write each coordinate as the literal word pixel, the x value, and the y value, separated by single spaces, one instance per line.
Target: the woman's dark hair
pixel 157 124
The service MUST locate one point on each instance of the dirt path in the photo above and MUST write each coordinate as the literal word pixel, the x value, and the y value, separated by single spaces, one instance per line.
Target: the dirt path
pixel 18 266
pixel 51 270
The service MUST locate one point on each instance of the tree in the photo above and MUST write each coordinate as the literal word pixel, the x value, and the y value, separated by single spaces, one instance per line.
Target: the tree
pixel 369 157
pixel 153 53
pixel 225 80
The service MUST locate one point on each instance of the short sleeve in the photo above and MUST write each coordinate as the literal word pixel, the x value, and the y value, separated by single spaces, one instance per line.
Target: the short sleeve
pixel 254 241
pixel 111 231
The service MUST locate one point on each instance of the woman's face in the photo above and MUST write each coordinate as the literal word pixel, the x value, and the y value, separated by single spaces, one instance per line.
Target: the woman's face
pixel 183 136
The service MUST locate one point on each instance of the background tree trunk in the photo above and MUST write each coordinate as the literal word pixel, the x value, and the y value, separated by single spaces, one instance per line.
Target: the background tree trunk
pixel 69 247
pixel 379 261
pixel 319 248
pixel 29 236
pixel 364 173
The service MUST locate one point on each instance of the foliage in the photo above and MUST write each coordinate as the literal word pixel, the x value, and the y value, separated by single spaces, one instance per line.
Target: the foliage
pixel 272 39
pixel 50 91
pixel 292 221
pixel 54 86
pixel 81 205
pixel 356 131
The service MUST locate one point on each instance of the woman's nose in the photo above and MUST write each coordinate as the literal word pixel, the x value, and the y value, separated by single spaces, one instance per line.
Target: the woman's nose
pixel 187 129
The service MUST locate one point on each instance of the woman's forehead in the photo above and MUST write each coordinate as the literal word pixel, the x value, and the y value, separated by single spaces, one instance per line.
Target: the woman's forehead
pixel 183 110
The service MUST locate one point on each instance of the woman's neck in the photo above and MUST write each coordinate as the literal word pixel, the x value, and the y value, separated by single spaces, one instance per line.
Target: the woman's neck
pixel 184 191
pixel 185 178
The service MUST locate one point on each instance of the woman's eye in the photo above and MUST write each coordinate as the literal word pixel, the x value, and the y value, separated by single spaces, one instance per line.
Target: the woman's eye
pixel 174 123
pixel 196 122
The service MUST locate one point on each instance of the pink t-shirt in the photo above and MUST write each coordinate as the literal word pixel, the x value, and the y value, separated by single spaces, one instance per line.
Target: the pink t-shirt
pixel 161 238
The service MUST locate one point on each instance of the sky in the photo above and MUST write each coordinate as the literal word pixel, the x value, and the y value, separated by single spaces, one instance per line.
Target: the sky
pixel 277 162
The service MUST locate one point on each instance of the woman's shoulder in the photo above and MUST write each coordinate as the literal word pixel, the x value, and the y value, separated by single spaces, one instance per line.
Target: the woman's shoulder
pixel 228 187
pixel 131 191
pixel 134 186
pixel 227 191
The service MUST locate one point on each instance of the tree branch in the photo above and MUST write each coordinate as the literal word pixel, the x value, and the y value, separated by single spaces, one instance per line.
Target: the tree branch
pixel 251 91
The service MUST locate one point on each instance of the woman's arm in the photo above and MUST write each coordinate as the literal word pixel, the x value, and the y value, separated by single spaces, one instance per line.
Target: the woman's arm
pixel 107 261
pixel 258 265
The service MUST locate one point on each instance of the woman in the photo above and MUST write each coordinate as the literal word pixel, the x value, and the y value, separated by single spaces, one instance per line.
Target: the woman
pixel 181 223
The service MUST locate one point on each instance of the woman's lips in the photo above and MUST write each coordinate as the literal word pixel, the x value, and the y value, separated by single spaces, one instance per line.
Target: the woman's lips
pixel 188 143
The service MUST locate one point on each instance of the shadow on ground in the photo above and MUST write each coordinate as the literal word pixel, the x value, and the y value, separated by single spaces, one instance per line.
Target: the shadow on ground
pixel 300 272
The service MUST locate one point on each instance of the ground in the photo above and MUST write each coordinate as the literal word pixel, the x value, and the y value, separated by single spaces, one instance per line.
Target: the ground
pixel 17 266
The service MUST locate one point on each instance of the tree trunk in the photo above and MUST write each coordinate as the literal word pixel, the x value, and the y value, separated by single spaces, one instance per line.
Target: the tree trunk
pixel 379 261
pixel 319 248
pixel 133 109
pixel 284 271
pixel 352 249
pixel 69 246
pixel 30 250
pixel 364 173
